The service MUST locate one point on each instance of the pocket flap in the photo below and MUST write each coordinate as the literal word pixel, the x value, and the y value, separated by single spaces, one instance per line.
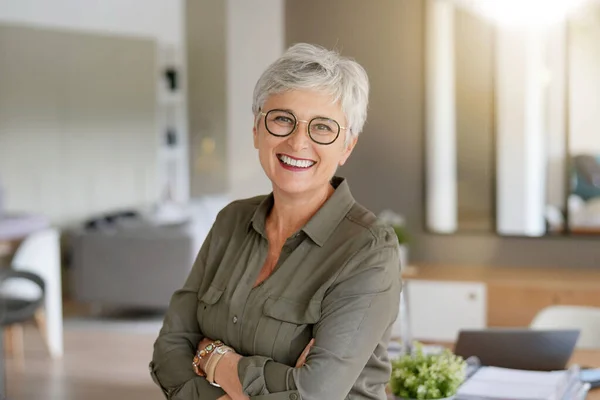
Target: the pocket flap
pixel 293 311
pixel 212 295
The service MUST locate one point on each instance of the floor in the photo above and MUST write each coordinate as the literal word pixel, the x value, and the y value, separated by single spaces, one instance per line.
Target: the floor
pixel 101 361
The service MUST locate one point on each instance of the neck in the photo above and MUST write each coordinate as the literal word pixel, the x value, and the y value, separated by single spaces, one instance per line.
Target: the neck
pixel 290 213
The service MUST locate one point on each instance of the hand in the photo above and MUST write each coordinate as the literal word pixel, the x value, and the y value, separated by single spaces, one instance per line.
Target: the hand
pixel 226 397
pixel 302 358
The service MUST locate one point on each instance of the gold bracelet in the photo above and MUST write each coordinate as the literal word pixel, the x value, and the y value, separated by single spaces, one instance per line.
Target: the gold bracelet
pixel 200 354
pixel 213 361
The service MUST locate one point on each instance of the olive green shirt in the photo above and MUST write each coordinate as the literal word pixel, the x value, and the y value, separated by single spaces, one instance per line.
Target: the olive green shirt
pixel 337 280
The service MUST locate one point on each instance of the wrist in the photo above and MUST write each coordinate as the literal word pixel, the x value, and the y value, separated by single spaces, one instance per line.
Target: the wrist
pixel 227 368
pixel 213 362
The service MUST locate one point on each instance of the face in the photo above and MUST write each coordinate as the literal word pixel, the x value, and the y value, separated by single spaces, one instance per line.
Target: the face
pixel 313 164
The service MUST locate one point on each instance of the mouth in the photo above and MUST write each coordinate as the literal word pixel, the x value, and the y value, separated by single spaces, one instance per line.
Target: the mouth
pixel 295 164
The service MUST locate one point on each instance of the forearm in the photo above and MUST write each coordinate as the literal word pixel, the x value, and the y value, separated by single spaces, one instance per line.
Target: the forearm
pixel 172 359
pixel 226 375
pixel 255 375
pixel 198 389
pixel 174 375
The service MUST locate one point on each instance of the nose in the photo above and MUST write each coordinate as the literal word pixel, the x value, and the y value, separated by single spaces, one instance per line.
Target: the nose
pixel 300 139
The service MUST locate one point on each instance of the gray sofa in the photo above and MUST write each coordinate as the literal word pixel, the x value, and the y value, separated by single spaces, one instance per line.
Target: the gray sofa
pixel 138 265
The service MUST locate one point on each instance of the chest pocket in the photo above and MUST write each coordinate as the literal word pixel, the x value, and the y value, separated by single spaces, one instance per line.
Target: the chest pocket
pixel 289 323
pixel 291 311
pixel 208 310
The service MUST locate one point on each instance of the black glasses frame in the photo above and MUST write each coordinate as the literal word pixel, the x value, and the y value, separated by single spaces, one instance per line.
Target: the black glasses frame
pixel 296 121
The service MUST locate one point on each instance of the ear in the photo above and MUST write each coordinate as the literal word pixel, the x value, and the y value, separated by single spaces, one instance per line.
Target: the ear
pixel 255 136
pixel 348 150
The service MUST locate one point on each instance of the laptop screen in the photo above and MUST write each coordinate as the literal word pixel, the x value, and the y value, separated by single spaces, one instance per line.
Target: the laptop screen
pixel 538 350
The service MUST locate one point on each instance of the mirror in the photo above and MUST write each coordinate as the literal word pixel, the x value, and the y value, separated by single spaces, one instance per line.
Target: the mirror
pixel 512 110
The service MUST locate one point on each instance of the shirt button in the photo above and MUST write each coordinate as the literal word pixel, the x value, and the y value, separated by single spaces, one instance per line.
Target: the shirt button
pixel 293 396
pixel 235 319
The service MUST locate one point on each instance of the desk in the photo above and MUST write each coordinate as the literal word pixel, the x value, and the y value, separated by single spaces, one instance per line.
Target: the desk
pixel 588 358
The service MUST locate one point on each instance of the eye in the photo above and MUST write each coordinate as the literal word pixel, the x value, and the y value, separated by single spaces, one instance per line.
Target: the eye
pixel 323 128
pixel 282 119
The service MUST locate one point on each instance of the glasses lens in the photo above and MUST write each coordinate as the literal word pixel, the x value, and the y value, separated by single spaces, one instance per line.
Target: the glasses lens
pixel 324 130
pixel 280 123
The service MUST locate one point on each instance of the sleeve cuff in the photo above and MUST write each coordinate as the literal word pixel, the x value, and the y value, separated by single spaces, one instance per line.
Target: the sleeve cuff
pixel 251 371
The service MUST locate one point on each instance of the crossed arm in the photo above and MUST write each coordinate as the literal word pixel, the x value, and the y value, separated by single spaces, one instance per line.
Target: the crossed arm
pixel 355 313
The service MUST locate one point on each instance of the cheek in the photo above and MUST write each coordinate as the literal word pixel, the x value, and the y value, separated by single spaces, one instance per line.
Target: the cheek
pixel 266 147
pixel 331 158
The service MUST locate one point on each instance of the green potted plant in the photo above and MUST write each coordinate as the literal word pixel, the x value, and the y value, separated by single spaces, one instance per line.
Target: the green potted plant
pixel 427 376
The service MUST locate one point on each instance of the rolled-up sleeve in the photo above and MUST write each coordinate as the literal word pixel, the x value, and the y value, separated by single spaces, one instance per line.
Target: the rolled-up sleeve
pixel 171 366
pixel 355 313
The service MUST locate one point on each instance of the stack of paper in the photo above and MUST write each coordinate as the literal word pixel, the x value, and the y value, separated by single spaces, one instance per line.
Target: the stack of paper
pixel 510 384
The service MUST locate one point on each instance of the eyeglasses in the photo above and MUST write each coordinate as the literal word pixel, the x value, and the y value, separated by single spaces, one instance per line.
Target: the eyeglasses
pixel 321 130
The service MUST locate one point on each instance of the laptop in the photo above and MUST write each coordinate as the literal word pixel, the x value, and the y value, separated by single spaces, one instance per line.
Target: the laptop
pixel 537 350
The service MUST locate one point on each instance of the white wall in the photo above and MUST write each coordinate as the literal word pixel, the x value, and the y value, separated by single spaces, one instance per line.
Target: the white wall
pixel 77 123
pixel 252 44
pixel 154 21
pixel 160 19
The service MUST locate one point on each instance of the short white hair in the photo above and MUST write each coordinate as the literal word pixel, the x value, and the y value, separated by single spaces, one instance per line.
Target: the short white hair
pixel 309 67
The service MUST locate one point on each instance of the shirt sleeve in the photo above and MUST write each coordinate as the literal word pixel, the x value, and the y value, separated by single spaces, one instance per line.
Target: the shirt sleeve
pixel 171 366
pixel 355 314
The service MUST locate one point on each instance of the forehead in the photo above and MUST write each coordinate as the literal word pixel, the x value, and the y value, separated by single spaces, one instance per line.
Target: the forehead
pixel 306 104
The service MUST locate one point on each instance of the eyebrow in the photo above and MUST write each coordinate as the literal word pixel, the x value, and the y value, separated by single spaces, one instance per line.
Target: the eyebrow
pixel 317 116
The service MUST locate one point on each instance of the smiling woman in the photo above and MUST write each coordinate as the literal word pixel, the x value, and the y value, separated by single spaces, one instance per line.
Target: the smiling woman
pixel 293 294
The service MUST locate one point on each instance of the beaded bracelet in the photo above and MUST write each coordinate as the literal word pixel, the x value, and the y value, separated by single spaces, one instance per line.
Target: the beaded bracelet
pixel 200 354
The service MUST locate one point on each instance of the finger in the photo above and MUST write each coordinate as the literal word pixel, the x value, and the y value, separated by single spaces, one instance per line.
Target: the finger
pixel 304 355
pixel 307 349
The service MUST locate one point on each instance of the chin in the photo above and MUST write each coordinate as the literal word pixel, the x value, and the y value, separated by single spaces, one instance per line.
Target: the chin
pixel 292 187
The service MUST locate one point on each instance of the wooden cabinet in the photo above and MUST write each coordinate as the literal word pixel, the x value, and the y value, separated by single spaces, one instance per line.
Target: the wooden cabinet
pixel 517 305
pixel 504 297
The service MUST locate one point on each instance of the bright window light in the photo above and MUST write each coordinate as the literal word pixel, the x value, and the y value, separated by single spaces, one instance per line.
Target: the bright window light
pixel 524 12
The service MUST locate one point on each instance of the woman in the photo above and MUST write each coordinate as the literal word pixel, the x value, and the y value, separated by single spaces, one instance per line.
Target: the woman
pixel 300 287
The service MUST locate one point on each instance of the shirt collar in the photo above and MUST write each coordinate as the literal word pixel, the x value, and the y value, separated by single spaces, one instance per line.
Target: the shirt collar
pixel 260 215
pixel 321 226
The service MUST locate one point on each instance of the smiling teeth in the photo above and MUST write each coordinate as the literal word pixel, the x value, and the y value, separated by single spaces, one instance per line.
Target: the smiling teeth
pixel 296 163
